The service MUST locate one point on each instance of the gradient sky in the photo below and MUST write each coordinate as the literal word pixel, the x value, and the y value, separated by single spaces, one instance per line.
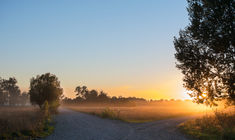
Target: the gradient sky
pixel 124 47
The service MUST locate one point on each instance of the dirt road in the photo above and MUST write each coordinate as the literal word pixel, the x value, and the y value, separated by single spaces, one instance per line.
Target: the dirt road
pixel 73 125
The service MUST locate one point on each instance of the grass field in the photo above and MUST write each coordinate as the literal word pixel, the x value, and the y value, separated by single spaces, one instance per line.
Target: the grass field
pixel 219 125
pixel 143 113
pixel 23 123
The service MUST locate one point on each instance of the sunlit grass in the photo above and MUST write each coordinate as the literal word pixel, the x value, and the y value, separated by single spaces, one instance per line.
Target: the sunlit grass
pixel 220 125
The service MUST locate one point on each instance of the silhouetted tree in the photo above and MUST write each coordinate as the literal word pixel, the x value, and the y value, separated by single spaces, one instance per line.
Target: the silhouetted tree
pixel 45 87
pixel 81 91
pixel 91 95
pixel 205 51
pixel 83 95
pixel 78 89
pixel 9 91
pixel 3 94
pixel 3 97
pixel 103 97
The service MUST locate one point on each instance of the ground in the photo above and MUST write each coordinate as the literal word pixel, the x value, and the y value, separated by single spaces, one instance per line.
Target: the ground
pixel 72 125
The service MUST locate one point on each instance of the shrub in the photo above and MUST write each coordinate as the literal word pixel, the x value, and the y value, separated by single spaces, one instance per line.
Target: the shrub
pixel 23 123
pixel 108 113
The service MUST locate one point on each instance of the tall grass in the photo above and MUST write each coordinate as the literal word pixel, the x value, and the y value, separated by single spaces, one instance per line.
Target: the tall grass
pixel 23 123
pixel 111 114
pixel 217 126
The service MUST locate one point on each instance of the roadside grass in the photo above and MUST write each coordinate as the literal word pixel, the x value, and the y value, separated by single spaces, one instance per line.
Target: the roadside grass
pixel 138 114
pixel 217 126
pixel 23 123
pixel 108 114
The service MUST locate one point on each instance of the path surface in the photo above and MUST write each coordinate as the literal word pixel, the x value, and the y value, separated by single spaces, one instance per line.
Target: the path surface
pixel 71 125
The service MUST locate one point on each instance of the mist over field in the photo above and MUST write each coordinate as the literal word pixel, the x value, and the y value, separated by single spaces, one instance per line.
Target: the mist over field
pixel 144 112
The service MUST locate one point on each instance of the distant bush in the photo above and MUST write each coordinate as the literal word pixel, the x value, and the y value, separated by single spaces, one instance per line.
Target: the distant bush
pixel 111 114
pixel 221 125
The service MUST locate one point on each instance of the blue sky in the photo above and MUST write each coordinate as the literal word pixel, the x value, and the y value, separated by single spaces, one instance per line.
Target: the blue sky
pixel 124 47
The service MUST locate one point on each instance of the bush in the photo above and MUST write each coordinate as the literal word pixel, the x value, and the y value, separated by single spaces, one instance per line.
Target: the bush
pixel 108 113
pixel 23 123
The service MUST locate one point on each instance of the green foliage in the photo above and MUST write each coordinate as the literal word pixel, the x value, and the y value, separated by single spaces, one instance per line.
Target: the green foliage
pixel 45 109
pixel 45 87
pixel 54 106
pixel 205 51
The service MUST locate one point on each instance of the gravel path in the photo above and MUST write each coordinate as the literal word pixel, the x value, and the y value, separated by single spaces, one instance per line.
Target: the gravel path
pixel 73 125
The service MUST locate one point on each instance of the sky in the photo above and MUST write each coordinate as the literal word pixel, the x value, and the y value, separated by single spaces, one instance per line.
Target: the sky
pixel 123 47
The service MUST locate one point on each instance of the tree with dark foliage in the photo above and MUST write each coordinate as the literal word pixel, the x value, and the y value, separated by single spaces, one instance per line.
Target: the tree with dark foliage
pixel 9 91
pixel 3 94
pixel 83 96
pixel 81 91
pixel 205 51
pixel 45 87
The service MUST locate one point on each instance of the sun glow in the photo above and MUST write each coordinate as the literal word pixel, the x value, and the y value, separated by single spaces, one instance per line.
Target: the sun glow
pixel 204 95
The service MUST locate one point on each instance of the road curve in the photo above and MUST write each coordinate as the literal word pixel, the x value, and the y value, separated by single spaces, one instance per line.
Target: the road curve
pixel 72 125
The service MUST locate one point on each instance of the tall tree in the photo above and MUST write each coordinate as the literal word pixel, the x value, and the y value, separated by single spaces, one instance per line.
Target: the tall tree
pixel 3 94
pixel 81 91
pixel 10 92
pixel 91 95
pixel 45 87
pixel 103 97
pixel 205 51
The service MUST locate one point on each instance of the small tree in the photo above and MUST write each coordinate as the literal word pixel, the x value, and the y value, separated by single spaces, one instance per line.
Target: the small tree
pixel 205 51
pixel 45 87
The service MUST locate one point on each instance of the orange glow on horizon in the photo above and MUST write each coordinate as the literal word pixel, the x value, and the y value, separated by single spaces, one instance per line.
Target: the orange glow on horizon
pixel 128 91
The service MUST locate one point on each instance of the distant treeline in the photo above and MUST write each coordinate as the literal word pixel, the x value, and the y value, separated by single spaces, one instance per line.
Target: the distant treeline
pixel 10 93
pixel 85 97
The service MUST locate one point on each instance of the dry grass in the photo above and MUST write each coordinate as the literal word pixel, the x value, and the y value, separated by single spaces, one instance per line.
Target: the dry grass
pixel 141 113
pixel 21 122
pixel 217 126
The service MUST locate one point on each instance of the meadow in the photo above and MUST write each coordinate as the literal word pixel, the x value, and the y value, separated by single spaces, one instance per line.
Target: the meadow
pixel 143 113
pixel 23 123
